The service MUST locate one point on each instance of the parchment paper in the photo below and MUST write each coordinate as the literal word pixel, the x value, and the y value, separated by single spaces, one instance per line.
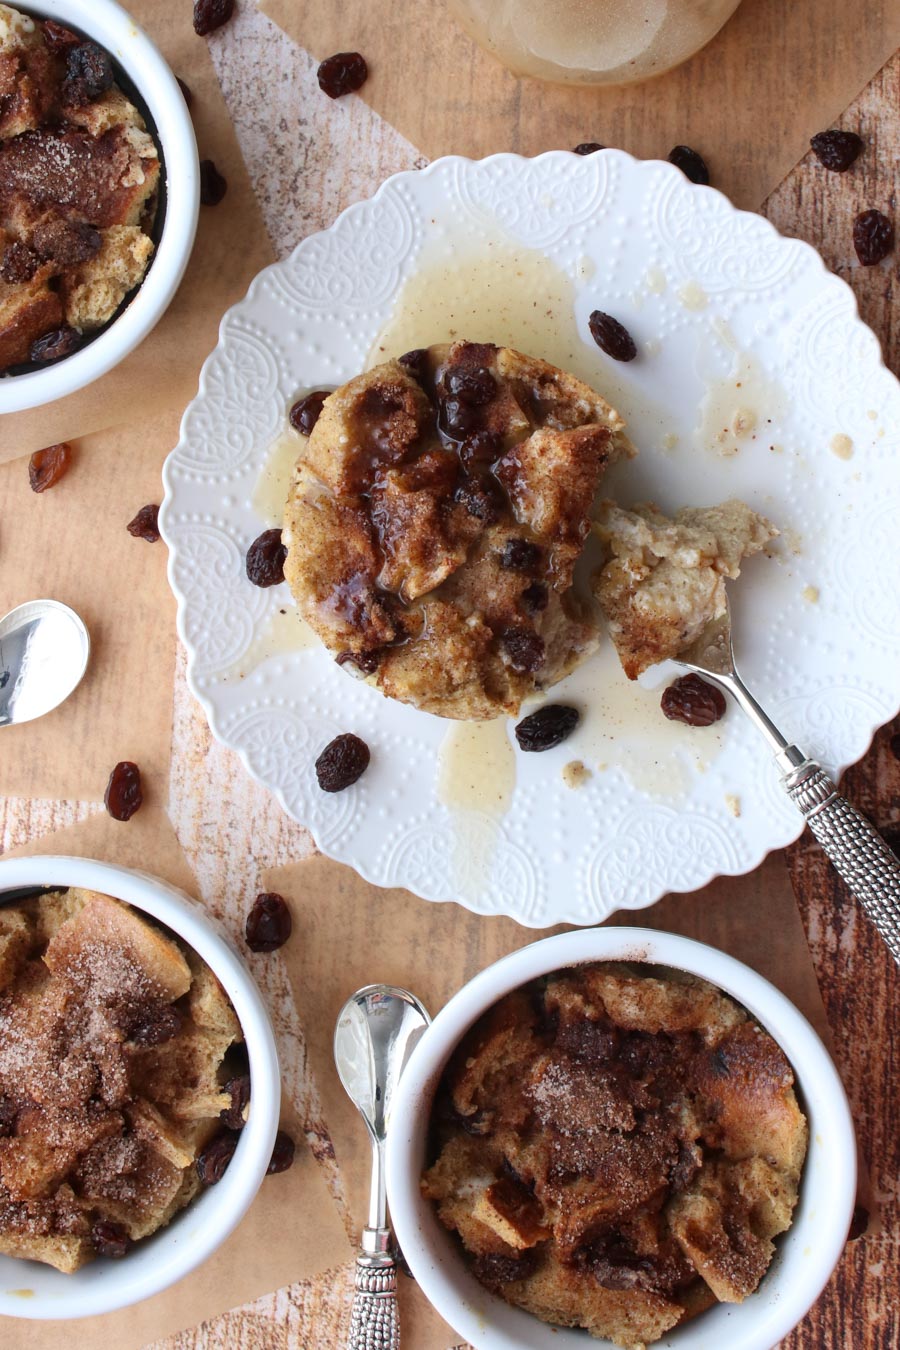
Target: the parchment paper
pixel 292 1230
pixel 231 247
pixel 779 71
pixel 350 933
pixel 70 543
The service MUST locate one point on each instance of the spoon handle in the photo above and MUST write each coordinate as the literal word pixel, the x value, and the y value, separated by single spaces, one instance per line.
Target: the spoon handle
pixel 857 851
pixel 375 1321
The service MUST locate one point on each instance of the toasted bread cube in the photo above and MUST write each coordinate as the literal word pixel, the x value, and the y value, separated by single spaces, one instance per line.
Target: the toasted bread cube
pixel 107 926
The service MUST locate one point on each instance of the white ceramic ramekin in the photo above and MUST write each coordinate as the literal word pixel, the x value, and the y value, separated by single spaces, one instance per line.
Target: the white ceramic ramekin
pixel 806 1254
pixel 111 27
pixel 29 1289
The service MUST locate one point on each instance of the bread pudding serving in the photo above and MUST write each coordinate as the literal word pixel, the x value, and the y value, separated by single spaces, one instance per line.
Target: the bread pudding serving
pixel 79 179
pixel 435 519
pixel 113 1037
pixel 617 1147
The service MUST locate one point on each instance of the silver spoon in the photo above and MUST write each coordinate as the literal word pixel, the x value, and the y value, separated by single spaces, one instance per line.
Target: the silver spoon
pixel 376 1031
pixel 44 649
pixel 850 841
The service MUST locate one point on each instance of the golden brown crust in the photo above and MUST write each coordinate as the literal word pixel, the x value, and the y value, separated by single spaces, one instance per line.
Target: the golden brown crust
pixel 617 1148
pixel 435 519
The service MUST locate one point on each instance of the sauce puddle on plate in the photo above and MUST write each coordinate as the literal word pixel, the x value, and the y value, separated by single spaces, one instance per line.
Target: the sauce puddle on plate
pixel 477 767
pixel 271 492
pixel 284 632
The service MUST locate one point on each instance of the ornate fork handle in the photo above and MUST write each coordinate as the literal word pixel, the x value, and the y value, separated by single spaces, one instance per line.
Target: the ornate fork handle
pixel 870 868
pixel 374 1321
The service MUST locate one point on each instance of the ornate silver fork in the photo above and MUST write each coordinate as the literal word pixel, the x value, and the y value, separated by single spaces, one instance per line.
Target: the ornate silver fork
pixel 853 845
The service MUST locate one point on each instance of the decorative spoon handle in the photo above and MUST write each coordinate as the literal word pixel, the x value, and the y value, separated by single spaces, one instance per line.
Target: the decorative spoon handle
pixel 375 1321
pixel 855 848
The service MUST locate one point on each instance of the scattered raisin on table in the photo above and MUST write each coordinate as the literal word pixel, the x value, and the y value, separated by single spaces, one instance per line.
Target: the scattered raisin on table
pixel 47 467
pixel 89 74
pixel 145 524
pixel 18 264
pixel 523 648
pixel 611 336
pixel 342 762
pixel 282 1154
pixel 238 1089
pixel 265 559
pixel 269 923
pixel 211 14
pixel 213 1161
pixel 342 73
pixel 155 1026
pixel 692 701
pixel 305 413
pixel 110 1239
pixel 55 345
pixel 124 794
pixel 186 91
pixel 873 237
pixel 837 150
pixel 692 165
pixel 588 148
pixel 213 185
pixel 547 727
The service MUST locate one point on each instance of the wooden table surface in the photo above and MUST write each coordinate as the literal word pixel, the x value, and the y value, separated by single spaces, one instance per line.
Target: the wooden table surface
pixel 328 155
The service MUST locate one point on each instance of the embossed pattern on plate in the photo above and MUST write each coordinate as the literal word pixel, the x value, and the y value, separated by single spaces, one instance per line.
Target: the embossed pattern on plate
pixel 700 285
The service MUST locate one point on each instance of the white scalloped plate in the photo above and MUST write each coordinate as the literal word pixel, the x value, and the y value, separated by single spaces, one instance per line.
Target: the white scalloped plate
pixel 829 671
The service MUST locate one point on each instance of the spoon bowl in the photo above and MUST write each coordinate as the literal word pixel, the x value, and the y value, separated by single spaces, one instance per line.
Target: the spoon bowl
pixel 44 650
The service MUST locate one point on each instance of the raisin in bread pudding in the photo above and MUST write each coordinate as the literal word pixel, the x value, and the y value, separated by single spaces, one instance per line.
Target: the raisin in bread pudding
pixel 434 522
pixel 113 1038
pixel 664 579
pixel 79 177
pixel 616 1148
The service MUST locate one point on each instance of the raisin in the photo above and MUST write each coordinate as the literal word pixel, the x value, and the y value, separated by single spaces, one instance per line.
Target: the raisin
pixel 693 701
pixel 496 1268
pixel 211 14
pixel 67 242
pixel 124 794
pixel 213 1161
pixel 837 150
pixel 269 923
pixel 186 91
pixel 55 345
pixel 155 1026
pixel 588 148
pixel 8 1113
pixel 89 73
pixel 873 237
pixel 342 74
pixel 480 498
pixel 612 337
pixel 238 1089
pixel 282 1154
pixel 547 727
pixel 342 762
pixel 523 649
pixel 416 363
pixel 535 597
pixel 19 263
pixel 58 38
pixel 212 185
pixel 458 419
pixel 473 387
pixel 692 165
pixel 480 450
pixel 47 467
pixel 110 1239
pixel 265 559
pixel 306 411
pixel 145 524
pixel 520 555
pixel 858 1223
pixel 366 662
